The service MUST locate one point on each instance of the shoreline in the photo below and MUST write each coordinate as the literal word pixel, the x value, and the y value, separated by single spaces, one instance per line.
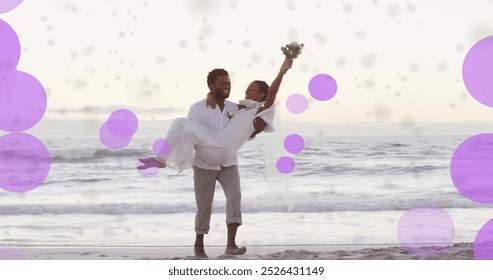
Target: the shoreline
pixel 458 251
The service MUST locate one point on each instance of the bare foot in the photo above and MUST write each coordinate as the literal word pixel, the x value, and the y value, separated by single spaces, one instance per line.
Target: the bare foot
pixel 199 252
pixel 235 251
pixel 150 162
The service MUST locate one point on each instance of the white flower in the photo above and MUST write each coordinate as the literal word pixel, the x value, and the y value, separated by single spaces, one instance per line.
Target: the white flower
pixel 230 115
pixel 292 50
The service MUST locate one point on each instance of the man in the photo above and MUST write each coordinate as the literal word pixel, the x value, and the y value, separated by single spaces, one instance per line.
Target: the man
pixel 206 174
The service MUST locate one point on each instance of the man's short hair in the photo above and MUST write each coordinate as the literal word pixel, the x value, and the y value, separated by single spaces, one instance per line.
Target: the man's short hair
pixel 212 77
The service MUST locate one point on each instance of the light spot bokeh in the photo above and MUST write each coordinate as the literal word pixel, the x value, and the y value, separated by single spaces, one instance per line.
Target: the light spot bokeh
pixel 8 5
pixel 25 162
pixel 285 164
pixel 8 253
pixel 477 69
pixel 425 226
pixel 470 168
pixel 483 243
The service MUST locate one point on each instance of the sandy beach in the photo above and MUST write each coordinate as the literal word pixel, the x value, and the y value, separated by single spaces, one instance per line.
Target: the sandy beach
pixel 458 251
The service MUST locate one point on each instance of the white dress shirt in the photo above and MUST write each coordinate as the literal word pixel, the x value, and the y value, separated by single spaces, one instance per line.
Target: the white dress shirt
pixel 215 120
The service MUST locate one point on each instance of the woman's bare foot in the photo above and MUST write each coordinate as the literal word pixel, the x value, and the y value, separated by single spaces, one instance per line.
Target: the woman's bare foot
pixel 150 162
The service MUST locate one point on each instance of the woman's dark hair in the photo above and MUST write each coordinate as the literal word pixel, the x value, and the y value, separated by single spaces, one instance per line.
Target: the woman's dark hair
pixel 212 77
pixel 262 87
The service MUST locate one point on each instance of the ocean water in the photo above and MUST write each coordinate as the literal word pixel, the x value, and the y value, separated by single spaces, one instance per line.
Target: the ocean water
pixel 344 190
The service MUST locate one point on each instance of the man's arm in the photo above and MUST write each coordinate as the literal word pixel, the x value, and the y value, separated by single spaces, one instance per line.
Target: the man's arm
pixel 259 125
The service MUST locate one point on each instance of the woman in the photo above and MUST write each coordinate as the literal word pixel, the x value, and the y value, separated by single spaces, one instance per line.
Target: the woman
pixel 184 133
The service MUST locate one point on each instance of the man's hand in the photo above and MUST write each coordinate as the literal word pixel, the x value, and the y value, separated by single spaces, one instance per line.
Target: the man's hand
pixel 259 125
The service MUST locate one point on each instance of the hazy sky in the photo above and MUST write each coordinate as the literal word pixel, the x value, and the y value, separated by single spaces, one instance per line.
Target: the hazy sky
pixel 393 60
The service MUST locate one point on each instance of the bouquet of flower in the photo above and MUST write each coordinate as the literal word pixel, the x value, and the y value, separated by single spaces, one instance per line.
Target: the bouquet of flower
pixel 292 50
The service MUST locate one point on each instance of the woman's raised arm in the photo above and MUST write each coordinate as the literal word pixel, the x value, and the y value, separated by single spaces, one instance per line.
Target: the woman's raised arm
pixel 274 87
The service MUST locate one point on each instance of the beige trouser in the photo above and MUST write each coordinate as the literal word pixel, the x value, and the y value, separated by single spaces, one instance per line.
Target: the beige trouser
pixel 204 186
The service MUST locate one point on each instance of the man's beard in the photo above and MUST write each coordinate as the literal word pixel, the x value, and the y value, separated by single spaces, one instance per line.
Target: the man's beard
pixel 219 95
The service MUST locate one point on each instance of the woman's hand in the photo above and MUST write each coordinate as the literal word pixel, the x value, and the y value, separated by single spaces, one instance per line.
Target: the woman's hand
pixel 286 65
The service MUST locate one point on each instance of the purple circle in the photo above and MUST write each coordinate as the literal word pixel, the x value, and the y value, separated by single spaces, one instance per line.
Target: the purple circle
pixel 123 123
pixel 24 162
pixel 7 82
pixel 10 48
pixel 471 168
pixel 294 143
pixel 111 141
pixel 7 253
pixel 322 87
pixel 149 172
pixel 425 231
pixel 25 106
pixel 8 5
pixel 296 103
pixel 285 165
pixel 477 69
pixel 483 244
pixel 161 147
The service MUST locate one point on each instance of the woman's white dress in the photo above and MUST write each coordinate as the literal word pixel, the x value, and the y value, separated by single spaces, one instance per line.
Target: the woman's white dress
pixel 184 134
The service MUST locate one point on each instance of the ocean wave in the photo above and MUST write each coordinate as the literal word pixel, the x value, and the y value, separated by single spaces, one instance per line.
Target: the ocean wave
pixel 80 180
pixel 84 154
pixel 317 168
pixel 335 205
pixel 102 209
pixel 376 154
pixel 398 145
